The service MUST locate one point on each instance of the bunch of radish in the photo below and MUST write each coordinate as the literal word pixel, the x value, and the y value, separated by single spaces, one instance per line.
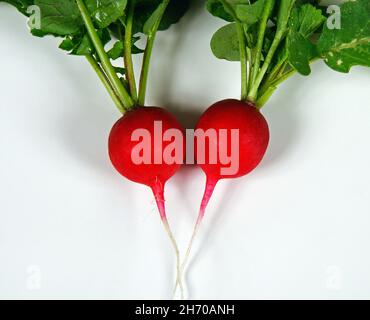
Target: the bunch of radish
pixel 272 40
pixel 87 28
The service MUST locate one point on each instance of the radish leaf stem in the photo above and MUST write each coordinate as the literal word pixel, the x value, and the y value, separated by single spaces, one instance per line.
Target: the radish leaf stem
pixel 242 49
pixel 148 53
pixel 269 5
pixel 256 84
pixel 102 76
pixel 282 23
pixel 128 51
pixel 111 73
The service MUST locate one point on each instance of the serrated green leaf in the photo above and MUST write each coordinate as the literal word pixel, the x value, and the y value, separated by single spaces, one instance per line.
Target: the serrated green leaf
pixel 306 19
pixel 350 45
pixel 300 51
pixel 225 43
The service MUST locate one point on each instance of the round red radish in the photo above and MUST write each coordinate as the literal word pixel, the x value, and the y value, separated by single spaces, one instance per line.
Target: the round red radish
pixel 253 140
pixel 155 174
pixel 253 136
pixel 122 144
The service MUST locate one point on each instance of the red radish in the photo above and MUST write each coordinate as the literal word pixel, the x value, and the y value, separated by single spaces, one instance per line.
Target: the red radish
pixel 253 142
pixel 155 176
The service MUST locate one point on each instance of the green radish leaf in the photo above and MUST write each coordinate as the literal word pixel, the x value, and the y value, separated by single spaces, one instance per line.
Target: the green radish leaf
pixel 60 17
pixel 246 11
pixel 144 9
pixel 216 8
pixel 39 33
pixel 85 47
pixel 77 45
pixel 136 50
pixel 104 35
pixel 315 3
pixel 306 19
pixel 121 71
pixel 225 43
pixel 249 13
pixel 174 12
pixel 300 51
pixel 116 51
pixel 67 44
pixel 153 19
pixel 350 45
pixel 105 12
pixel 80 44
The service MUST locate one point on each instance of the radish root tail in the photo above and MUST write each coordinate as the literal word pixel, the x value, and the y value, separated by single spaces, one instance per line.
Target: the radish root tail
pixel 178 266
pixel 158 191
pixel 210 187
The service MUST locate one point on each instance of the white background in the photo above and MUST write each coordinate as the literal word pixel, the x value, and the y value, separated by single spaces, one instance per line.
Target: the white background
pixel 71 227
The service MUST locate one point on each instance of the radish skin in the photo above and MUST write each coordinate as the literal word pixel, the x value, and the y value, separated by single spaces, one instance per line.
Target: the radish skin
pixel 253 142
pixel 153 175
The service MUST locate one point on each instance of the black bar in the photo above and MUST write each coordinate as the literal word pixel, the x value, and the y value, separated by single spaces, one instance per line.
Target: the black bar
pixel 197 309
